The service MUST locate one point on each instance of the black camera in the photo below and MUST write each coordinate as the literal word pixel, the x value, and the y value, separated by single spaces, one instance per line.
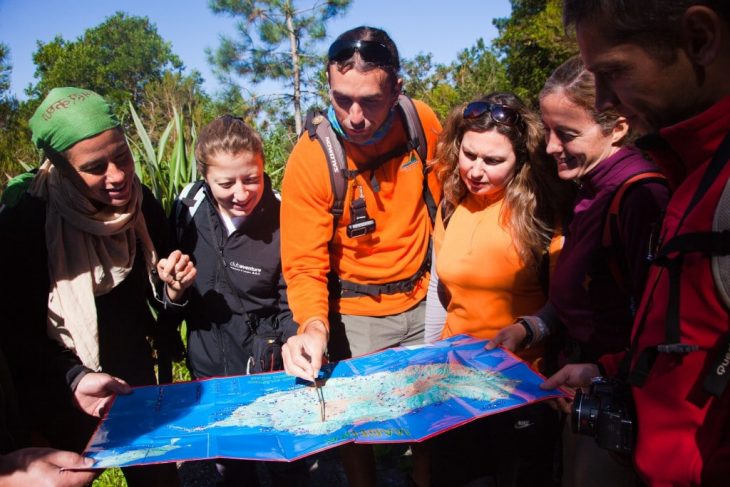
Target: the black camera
pixel 606 413
pixel 361 224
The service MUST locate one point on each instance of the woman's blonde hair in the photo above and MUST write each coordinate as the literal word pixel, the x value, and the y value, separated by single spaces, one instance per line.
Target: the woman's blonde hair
pixel 529 212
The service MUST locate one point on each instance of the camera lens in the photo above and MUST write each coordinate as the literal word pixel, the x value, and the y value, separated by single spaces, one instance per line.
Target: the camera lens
pixel 585 413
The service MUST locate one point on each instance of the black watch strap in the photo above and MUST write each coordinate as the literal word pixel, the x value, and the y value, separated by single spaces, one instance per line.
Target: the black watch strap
pixel 530 335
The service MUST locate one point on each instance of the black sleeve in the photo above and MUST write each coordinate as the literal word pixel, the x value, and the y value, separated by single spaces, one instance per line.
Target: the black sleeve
pixel 41 368
pixel 163 240
pixel 549 315
pixel 285 317
pixel 157 224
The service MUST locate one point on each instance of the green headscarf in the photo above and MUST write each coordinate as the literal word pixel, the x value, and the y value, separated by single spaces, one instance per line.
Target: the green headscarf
pixel 69 115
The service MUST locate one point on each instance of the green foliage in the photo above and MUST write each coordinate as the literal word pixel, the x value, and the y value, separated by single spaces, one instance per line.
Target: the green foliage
pixel 112 477
pixel 5 70
pixel 173 91
pixel 16 151
pixel 165 170
pixel 275 42
pixel 278 144
pixel 475 73
pixel 532 44
pixel 116 59
pixel 263 112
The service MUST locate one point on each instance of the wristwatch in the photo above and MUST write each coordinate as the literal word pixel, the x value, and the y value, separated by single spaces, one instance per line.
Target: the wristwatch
pixel 529 336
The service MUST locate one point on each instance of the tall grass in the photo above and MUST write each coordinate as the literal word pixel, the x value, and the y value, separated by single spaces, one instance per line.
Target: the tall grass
pixel 166 170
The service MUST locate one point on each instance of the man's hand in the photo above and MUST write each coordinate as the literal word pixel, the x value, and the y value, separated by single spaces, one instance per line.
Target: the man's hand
pixel 96 391
pixel 573 375
pixel 177 272
pixel 303 353
pixel 509 338
pixel 42 467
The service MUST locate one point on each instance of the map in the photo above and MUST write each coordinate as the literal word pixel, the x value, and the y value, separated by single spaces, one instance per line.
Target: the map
pixel 398 395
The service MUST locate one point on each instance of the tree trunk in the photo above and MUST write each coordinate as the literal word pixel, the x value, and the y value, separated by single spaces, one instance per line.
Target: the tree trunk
pixel 296 70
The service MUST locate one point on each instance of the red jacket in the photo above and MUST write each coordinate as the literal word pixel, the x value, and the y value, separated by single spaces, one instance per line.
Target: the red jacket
pixel 684 432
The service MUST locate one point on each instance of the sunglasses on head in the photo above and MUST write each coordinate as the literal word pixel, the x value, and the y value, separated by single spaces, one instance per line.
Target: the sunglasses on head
pixel 370 51
pixel 228 115
pixel 498 113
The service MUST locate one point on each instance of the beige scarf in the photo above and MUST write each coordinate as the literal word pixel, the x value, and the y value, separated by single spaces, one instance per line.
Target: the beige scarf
pixel 90 251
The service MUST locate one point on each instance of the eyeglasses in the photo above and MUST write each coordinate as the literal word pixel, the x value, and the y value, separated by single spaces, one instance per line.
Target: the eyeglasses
pixel 370 51
pixel 498 113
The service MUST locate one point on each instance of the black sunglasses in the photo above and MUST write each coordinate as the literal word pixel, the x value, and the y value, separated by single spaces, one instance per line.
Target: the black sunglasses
pixel 370 51
pixel 498 113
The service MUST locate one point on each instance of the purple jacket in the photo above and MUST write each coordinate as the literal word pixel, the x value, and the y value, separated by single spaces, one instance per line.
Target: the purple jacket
pixel 595 310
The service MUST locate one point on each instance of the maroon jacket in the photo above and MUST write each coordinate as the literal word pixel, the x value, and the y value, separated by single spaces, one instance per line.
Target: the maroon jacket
pixel 683 432
pixel 596 311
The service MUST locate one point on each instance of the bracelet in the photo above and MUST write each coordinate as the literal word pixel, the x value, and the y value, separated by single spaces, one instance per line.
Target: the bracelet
pixel 542 328
pixel 538 327
pixel 530 335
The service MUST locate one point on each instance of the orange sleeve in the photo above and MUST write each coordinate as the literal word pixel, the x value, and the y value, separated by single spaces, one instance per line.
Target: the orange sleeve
pixel 306 229
pixel 438 232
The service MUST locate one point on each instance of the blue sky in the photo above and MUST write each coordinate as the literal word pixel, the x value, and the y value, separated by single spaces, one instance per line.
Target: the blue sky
pixel 441 27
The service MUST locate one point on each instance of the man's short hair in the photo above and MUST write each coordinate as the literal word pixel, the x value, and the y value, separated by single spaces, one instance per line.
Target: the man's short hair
pixel 652 24
pixel 357 60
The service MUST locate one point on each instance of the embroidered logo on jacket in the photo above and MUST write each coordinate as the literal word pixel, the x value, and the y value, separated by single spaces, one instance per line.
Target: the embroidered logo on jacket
pixel 410 162
pixel 246 269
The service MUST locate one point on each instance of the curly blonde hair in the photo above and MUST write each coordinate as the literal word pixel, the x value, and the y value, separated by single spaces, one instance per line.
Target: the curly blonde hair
pixel 530 211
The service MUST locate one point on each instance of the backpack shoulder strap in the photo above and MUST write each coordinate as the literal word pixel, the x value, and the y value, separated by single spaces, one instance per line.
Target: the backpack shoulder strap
pixel 188 202
pixel 16 188
pixel 611 237
pixel 318 127
pixel 414 126
pixel 417 139
pixel 617 199
pixel 720 262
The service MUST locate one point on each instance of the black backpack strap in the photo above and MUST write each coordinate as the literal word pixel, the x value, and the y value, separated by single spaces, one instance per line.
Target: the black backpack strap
pixel 318 127
pixel 348 289
pixel 416 136
pixel 417 139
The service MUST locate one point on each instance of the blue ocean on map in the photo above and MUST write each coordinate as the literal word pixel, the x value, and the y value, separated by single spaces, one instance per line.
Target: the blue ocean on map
pixel 401 394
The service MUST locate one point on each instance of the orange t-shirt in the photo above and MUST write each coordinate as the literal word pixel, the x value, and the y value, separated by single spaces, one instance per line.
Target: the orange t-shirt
pixel 394 251
pixel 478 263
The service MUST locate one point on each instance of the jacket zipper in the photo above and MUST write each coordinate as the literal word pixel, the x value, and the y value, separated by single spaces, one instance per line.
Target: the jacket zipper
pixel 221 266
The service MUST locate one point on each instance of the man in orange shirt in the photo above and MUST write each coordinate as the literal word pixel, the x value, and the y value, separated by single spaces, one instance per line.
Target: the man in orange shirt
pixel 362 288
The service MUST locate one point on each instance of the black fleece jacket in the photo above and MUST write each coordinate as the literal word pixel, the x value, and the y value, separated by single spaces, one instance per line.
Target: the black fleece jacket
pixel 230 300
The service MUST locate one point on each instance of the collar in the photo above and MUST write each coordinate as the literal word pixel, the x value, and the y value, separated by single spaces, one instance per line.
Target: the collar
pixel 377 136
pixel 681 148
pixel 260 212
pixel 607 171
